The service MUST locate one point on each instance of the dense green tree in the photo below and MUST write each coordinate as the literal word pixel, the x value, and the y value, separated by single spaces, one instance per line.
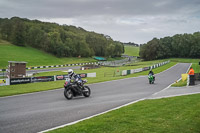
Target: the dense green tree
pixel 5 29
pixel 60 40
pixel 180 45
pixel 18 34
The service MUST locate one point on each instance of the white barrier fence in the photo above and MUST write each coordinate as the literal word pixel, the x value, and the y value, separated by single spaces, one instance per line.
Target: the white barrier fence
pixel 126 72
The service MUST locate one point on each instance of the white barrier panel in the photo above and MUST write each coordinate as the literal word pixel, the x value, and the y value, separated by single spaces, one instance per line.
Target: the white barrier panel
pixel 124 72
pixel 138 70
pixel 7 81
pixel 29 74
pixel 132 71
pixel 91 74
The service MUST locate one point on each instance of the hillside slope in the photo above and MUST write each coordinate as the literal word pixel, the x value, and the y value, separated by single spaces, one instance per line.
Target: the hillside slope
pixel 34 57
pixel 131 50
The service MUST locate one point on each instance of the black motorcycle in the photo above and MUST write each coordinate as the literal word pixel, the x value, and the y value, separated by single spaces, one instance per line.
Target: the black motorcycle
pixel 77 88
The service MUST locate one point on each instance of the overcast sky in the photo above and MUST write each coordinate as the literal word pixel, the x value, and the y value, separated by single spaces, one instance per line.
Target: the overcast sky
pixel 136 21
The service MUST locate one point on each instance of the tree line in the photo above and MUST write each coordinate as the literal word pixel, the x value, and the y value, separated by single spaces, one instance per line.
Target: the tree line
pixel 179 45
pixel 59 40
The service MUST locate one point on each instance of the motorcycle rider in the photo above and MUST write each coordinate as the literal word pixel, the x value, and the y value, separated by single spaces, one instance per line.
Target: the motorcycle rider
pixel 71 74
pixel 151 72
pixel 76 78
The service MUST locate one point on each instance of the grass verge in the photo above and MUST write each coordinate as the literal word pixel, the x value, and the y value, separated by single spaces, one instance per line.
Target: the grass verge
pixel 175 115
pixel 180 84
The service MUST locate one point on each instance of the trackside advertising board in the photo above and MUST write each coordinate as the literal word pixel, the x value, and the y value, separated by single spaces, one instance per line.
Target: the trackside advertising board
pixel 20 81
pixel 42 79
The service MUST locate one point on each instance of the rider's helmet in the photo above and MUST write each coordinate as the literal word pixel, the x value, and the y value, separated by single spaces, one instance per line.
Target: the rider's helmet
pixel 70 72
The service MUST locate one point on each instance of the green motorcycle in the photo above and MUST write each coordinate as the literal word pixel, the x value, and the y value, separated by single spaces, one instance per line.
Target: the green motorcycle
pixel 151 79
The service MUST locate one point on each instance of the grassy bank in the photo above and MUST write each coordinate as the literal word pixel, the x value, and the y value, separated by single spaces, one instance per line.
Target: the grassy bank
pixel 34 57
pixel 35 87
pixel 131 50
pixel 174 115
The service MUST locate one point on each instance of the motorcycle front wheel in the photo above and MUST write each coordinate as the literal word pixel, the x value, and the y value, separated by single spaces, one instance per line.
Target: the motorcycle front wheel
pixel 86 91
pixel 68 94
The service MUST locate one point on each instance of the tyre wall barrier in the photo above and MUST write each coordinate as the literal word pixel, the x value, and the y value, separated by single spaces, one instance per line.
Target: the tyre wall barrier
pixel 66 65
pixel 53 66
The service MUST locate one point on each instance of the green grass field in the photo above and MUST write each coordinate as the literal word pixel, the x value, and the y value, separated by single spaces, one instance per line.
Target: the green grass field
pixel 168 115
pixel 34 57
pixel 131 50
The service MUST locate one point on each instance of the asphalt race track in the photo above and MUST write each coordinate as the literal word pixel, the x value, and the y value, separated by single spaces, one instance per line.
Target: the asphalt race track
pixel 44 110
